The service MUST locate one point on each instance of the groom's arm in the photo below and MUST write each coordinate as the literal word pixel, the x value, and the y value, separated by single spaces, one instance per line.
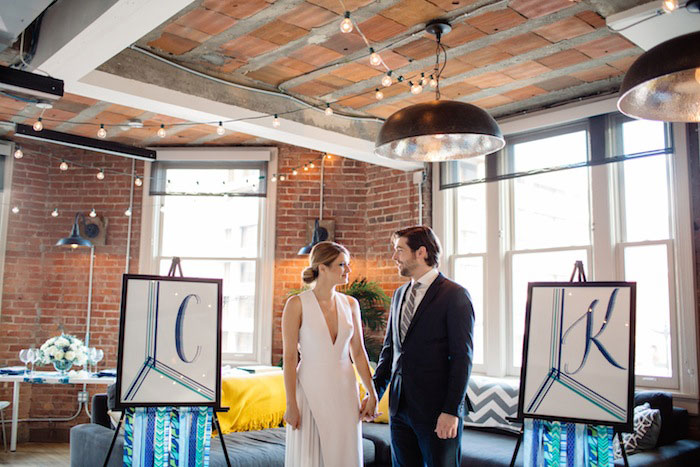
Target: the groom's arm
pixel 460 326
pixel 382 375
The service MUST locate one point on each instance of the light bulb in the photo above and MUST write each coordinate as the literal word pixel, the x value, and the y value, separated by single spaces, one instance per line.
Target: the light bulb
pixel 138 181
pixel 273 178
pixel 294 172
pixel 387 81
pixel 54 213
pixel 306 168
pixel 15 209
pixel 374 58
pixel 74 246
pixel 282 178
pixel 379 95
pixel 101 175
pixel 38 126
pixel 416 88
pixel 162 208
pixel 18 153
pixel 346 24
pixel 63 166
pixel 220 130
pixel 161 131
pixel 93 213
pixel 433 82
pixel 127 213
pixel 328 156
pixel 328 110
pixel 311 165
pixel 102 133
pixel 423 80
pixel 276 121
pixel 669 5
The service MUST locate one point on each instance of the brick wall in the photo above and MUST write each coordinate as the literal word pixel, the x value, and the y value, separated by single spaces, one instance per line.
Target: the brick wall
pixel 47 286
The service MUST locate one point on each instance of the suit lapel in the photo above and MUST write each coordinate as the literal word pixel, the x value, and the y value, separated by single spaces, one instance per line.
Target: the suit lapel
pixel 427 298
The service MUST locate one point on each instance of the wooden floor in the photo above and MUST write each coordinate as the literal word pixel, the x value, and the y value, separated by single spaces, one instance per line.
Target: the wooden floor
pixel 37 454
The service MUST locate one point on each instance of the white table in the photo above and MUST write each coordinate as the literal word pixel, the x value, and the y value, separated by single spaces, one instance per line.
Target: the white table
pixel 44 377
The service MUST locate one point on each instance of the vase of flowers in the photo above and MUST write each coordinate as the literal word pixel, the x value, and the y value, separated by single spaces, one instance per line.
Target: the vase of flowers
pixel 63 352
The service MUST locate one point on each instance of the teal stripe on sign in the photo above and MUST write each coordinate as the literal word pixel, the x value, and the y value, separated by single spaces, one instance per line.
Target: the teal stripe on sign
pixel 589 399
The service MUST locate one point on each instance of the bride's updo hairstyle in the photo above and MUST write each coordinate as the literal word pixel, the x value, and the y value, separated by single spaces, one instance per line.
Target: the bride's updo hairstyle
pixel 322 253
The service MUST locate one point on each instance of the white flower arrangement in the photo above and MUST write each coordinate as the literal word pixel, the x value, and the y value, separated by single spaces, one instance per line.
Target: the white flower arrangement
pixel 63 349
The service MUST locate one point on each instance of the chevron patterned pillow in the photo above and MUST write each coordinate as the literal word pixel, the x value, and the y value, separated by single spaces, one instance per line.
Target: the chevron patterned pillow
pixel 493 399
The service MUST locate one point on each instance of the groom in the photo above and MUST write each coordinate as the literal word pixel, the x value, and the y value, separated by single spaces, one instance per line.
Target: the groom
pixel 426 357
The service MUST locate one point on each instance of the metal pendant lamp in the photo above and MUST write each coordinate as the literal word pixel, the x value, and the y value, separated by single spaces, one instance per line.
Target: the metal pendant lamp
pixel 438 130
pixel 664 82
pixel 75 240
pixel 320 234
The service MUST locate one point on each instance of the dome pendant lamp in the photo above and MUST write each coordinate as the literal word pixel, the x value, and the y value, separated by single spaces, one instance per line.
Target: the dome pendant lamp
pixel 438 130
pixel 664 82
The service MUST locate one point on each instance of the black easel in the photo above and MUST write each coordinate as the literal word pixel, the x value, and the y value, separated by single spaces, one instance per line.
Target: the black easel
pixel 578 268
pixel 175 267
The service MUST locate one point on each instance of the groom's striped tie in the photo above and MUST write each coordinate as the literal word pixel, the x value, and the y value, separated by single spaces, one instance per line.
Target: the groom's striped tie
pixel 408 311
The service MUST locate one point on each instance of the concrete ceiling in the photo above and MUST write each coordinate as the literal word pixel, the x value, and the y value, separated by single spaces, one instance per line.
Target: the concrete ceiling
pixel 169 61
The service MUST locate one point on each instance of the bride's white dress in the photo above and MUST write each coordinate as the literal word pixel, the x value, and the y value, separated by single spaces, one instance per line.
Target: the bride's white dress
pixel 327 394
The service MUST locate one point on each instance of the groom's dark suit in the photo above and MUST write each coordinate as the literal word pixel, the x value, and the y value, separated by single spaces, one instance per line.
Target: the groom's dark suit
pixel 428 372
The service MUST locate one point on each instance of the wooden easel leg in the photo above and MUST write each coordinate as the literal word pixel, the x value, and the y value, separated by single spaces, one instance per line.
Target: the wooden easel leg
pixel 622 448
pixel 114 439
pixel 517 447
pixel 215 420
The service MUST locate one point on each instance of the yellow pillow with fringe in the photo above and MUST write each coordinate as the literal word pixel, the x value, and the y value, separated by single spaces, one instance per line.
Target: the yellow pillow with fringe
pixel 383 402
pixel 255 400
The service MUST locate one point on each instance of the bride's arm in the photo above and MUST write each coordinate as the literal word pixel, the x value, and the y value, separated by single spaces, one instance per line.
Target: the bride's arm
pixel 359 356
pixel 291 322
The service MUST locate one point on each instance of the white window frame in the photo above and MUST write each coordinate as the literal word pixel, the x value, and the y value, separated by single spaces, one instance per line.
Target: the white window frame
pixel 7 149
pixel 150 234
pixel 604 263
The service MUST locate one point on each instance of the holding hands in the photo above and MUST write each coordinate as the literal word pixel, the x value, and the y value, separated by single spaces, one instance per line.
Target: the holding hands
pixel 368 408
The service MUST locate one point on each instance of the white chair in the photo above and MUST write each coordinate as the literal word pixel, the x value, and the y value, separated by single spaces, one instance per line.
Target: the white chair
pixel 3 406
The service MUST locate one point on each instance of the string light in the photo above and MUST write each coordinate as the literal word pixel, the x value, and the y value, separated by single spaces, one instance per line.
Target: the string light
pixel 38 126
pixel 273 178
pixel 102 133
pixel 18 153
pixel 93 213
pixel 311 165
pixel 379 95
pixel 276 121
pixel 15 209
pixel 63 166
pixel 138 181
pixel 127 213
pixel 423 79
pixel 161 131
pixel 328 110
pixel 346 24
pixel 669 5
pixel 54 213
pixel 415 88
pixel 306 168
pixel 386 80
pixel 220 130
pixel 374 58
pixel 433 82
pixel 101 174
pixel 328 156
pixel 294 172
pixel 282 177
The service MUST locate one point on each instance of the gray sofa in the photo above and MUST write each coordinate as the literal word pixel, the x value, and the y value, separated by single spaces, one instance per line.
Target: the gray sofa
pixel 480 447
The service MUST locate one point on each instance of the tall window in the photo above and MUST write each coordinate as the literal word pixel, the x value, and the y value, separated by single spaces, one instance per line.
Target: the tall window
pixel 213 216
pixel 609 191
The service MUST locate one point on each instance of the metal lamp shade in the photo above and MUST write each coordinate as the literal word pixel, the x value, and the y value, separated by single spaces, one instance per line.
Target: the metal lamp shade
pixel 664 83
pixel 74 240
pixel 320 235
pixel 438 131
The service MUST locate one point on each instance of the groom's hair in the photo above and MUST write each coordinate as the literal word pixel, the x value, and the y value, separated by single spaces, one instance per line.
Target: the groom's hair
pixel 418 236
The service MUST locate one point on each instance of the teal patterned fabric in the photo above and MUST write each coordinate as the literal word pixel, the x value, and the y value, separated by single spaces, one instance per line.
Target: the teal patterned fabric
pixel 557 444
pixel 167 436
